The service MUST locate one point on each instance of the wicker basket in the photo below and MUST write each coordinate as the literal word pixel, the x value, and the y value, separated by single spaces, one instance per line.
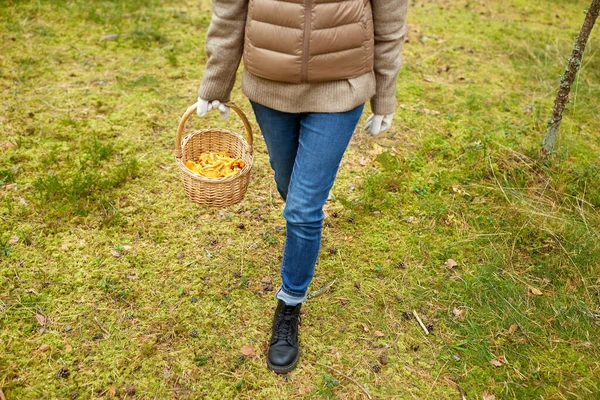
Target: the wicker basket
pixel 214 192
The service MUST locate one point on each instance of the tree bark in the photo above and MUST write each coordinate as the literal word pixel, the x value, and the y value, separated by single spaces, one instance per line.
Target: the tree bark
pixel 569 76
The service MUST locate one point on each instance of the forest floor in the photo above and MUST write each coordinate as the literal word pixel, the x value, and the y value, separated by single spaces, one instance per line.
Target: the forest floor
pixel 114 285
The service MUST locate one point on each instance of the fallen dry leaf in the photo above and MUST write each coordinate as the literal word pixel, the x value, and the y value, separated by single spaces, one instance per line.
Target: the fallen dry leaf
pixel 40 319
pixel 379 334
pixel 68 347
pixel 115 253
pixel 335 352
pixel 430 112
pixel 459 313
pixel 535 291
pixel 14 240
pixel 498 361
pixel 112 390
pixel 376 149
pixel 451 263
pixel 130 389
pixel 488 396
pixel 248 350
pixel 365 327
pixel 304 390
pixel 362 161
pixel 44 347
pixel 8 145
pixel 495 362
pixel 513 328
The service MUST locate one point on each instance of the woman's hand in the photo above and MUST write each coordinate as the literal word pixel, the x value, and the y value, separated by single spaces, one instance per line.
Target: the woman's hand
pixel 378 123
pixel 205 106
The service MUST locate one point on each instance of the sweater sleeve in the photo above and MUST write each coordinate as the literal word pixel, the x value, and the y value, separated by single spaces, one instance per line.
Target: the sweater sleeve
pixel 224 47
pixel 389 19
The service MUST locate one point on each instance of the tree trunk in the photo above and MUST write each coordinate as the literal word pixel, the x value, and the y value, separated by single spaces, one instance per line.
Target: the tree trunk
pixel 569 76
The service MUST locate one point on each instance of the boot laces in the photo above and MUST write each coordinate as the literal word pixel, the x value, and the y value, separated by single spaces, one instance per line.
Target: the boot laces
pixel 284 324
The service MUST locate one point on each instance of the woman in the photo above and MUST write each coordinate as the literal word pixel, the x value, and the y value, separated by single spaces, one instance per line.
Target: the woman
pixel 309 68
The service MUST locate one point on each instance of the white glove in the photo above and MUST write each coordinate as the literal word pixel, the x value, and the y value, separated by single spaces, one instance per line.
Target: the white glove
pixel 205 106
pixel 378 123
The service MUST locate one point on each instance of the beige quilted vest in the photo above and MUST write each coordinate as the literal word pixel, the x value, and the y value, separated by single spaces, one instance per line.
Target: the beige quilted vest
pixel 309 40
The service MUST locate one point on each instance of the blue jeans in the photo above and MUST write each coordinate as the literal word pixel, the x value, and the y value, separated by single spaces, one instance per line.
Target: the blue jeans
pixel 305 151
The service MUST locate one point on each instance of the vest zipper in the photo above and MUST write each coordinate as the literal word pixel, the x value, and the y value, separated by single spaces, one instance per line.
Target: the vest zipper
pixel 306 44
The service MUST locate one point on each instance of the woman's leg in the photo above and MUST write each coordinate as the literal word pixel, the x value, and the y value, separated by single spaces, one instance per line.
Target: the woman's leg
pixel 322 142
pixel 281 132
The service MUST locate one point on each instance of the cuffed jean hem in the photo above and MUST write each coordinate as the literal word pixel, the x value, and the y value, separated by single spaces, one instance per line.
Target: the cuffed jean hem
pixel 289 299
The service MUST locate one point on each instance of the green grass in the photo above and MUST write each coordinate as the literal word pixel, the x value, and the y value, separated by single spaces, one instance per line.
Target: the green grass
pixel 146 295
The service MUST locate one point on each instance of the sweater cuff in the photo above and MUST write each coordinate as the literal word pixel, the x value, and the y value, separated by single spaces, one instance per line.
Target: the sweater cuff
pixel 214 90
pixel 383 105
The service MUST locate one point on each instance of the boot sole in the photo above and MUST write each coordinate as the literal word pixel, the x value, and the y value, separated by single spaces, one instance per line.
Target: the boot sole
pixel 284 369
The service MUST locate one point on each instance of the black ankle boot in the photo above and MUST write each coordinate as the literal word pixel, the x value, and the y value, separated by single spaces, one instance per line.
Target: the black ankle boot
pixel 284 350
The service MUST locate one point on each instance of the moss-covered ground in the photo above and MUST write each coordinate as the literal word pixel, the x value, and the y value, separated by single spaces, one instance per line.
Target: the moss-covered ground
pixel 114 285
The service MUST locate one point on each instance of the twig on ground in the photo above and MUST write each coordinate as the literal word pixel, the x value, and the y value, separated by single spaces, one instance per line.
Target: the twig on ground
pixel 461 391
pixel 420 322
pixel 436 379
pixel 101 327
pixel 321 290
pixel 2 397
pixel 349 378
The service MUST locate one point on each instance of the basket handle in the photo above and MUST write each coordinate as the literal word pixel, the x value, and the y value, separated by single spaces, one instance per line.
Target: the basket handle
pixel 192 109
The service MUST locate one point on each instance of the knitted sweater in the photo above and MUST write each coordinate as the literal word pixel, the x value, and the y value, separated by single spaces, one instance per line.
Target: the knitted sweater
pixel 225 44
